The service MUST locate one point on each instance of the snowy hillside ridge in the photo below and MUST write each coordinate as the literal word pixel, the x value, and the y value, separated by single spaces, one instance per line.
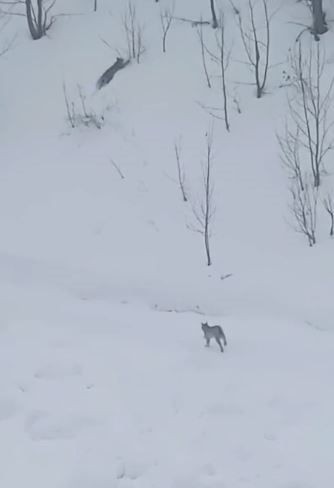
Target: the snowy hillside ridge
pixel 75 209
pixel 105 380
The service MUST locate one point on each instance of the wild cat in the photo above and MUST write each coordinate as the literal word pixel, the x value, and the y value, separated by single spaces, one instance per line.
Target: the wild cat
pixel 214 332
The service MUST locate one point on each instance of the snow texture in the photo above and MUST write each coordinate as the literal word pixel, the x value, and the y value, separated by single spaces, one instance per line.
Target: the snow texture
pixel 104 378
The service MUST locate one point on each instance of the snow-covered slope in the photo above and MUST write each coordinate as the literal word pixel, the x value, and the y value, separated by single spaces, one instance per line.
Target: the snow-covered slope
pixel 100 386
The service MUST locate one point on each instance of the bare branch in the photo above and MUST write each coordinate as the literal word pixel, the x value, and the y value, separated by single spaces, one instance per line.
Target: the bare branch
pixel 180 171
pixel 117 168
pixel 133 33
pixel 204 211
pixel 77 112
pixel 69 108
pixel 166 19
pixel 309 107
pixel 194 23
pixel 37 13
pixel 224 60
pixel 203 51
pixel 328 204
pixel 257 50
pixel 303 209
pixel 213 14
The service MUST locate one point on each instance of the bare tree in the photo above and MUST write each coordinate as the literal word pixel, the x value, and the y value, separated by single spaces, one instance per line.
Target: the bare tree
pixel 329 207
pixel 203 53
pixel 257 49
pixel 309 103
pixel 213 14
pixel 204 211
pixel 95 5
pixel 221 58
pixel 166 19
pixel 133 33
pixel 224 60
pixel 319 25
pixel 289 143
pixel 303 209
pixel 180 172
pixel 37 13
pixel 307 138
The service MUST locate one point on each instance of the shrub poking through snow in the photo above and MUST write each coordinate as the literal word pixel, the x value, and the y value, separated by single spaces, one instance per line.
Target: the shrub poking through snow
pixel 79 114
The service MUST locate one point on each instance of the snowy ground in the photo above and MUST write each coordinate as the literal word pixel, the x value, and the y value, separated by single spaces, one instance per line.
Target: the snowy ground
pixel 100 396
pixel 104 378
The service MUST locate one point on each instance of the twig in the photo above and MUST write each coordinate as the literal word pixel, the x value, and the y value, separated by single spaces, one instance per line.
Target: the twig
pixel 117 168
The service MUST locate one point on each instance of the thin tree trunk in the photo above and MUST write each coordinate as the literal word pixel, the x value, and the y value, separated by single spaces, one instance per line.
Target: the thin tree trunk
pixel 30 20
pixel 208 203
pixel 35 22
pixel 213 13
pixel 223 69
pixel 201 40
pixel 40 18
pixel 319 21
pixel 207 248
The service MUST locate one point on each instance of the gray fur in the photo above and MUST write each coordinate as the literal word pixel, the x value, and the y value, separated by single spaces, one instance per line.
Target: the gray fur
pixel 108 75
pixel 214 332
